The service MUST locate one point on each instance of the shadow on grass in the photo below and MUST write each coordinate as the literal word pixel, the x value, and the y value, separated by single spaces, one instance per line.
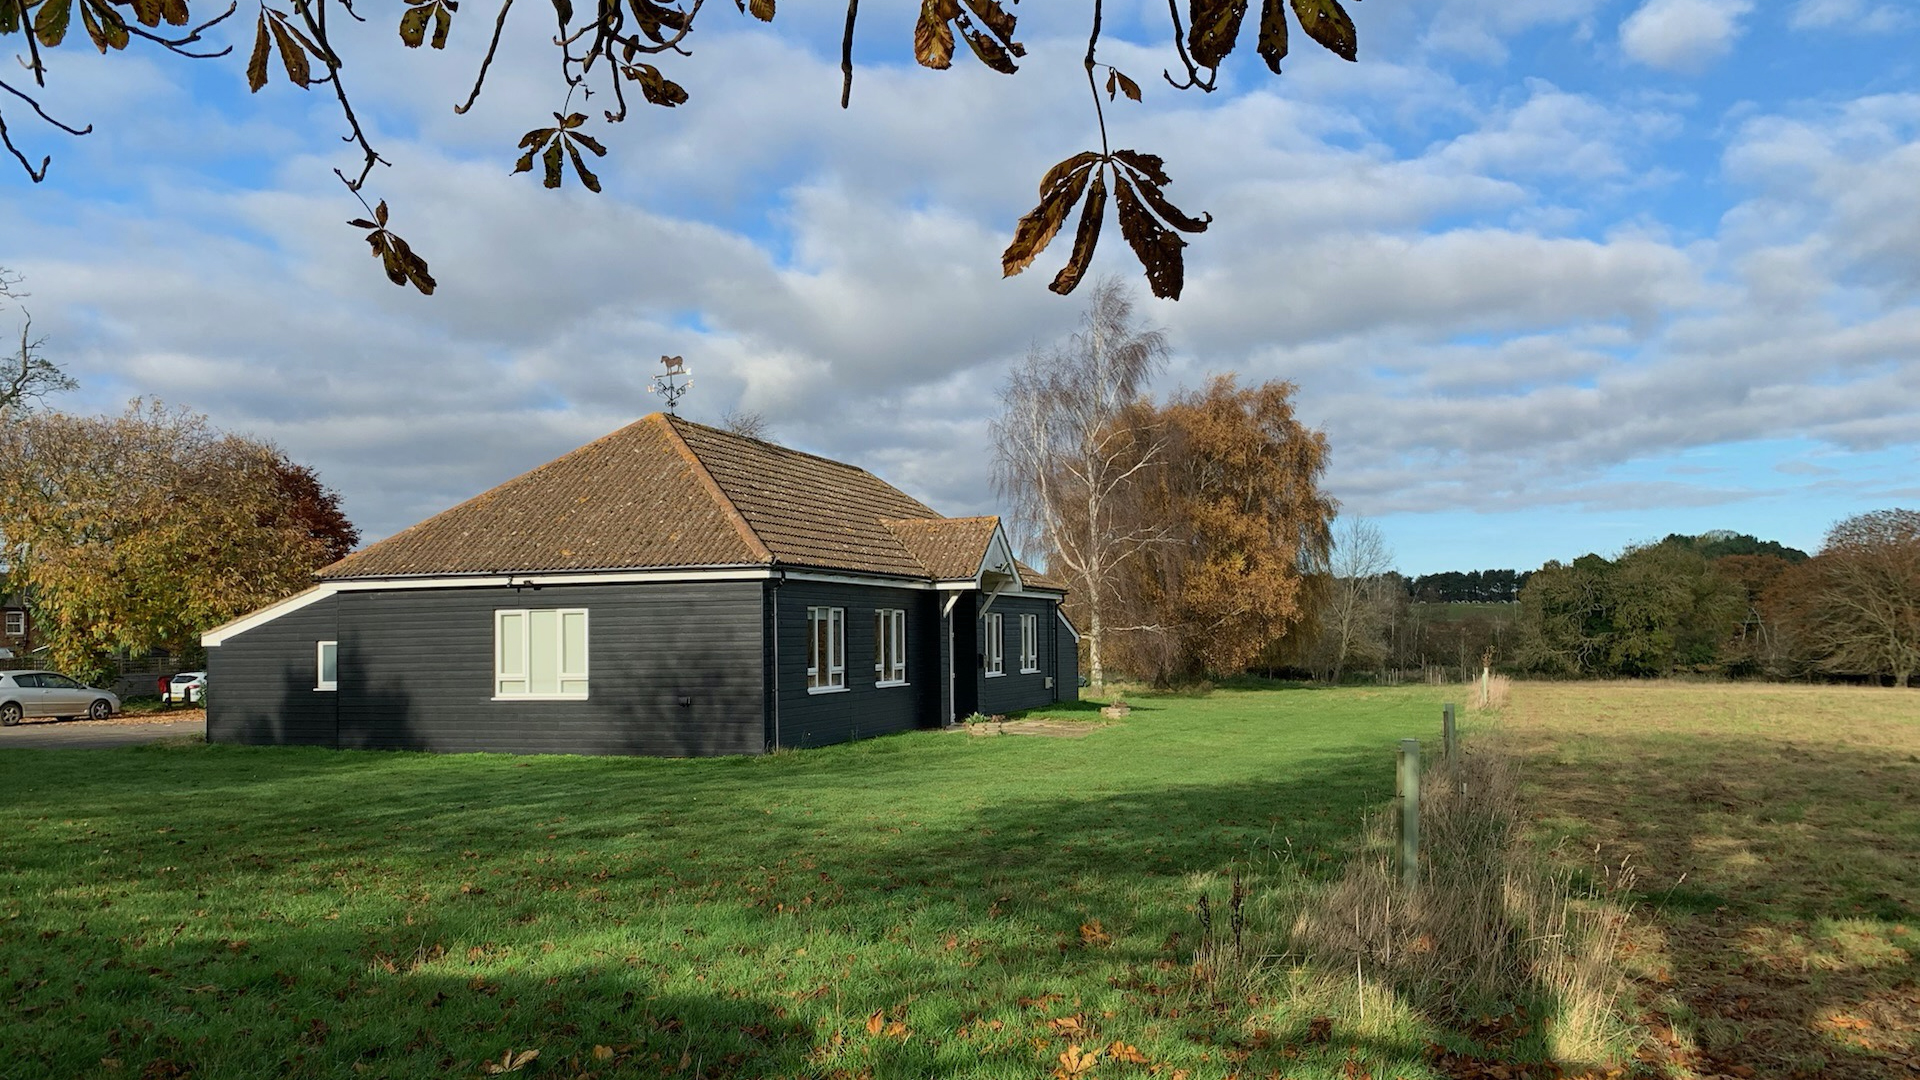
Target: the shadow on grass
pixel 235 912
pixel 1783 875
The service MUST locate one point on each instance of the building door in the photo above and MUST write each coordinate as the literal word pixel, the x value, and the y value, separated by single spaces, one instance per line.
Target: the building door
pixel 963 657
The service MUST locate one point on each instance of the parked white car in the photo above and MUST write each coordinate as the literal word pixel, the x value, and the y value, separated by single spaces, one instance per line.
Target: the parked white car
pixel 49 693
pixel 188 686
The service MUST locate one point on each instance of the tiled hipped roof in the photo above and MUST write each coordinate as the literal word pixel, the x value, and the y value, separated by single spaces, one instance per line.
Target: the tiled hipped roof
pixel 666 493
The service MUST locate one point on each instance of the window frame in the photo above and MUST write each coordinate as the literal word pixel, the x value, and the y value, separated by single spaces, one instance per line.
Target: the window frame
pixel 1029 644
pixel 833 679
pixel 320 680
pixel 562 675
pixel 890 647
pixel 14 624
pixel 996 651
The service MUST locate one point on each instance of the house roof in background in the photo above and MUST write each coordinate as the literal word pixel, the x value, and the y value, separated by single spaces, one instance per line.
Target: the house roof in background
pixel 666 493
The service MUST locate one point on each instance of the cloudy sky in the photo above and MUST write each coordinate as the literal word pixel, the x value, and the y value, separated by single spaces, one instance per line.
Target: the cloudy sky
pixel 1554 276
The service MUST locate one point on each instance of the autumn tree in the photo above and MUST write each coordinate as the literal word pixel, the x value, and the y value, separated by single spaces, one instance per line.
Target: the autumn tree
pixel 1068 454
pixel 1758 644
pixel 1566 617
pixel 1246 530
pixel 313 508
pixel 25 375
pixel 615 49
pixel 140 531
pixel 1658 609
pixel 1866 602
pixel 1360 598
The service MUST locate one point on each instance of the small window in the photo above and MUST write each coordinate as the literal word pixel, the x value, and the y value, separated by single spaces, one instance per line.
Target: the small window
pixel 16 624
pixel 996 653
pixel 1029 644
pixel 329 666
pixel 826 649
pixel 890 647
pixel 540 654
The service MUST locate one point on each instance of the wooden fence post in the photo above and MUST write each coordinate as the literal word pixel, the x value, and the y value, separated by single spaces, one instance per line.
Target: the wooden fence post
pixel 1446 730
pixel 1407 791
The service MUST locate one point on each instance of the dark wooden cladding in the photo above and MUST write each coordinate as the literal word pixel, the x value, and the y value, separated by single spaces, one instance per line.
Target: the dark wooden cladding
pixel 261 684
pixel 674 669
pixel 416 673
pixel 863 709
pixel 1066 662
pixel 1014 691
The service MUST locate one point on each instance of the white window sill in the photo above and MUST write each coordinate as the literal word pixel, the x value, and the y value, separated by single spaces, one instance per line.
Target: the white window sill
pixel 539 697
pixel 896 682
pixel 826 689
pixel 996 674
pixel 1029 671
pixel 327 688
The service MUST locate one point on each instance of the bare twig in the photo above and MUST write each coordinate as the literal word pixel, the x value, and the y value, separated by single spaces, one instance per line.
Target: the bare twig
pixel 493 46
pixel 846 54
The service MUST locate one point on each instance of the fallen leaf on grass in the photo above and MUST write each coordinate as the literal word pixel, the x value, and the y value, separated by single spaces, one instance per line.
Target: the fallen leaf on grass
pixel 1092 935
pixel 1126 1053
pixel 511 1062
pixel 1076 1064
pixel 1067 1025
pixel 603 1053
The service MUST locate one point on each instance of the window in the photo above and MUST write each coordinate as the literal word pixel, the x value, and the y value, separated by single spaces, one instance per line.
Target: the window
pixel 890 647
pixel 826 649
pixel 329 666
pixel 996 657
pixel 1029 644
pixel 540 654
pixel 16 624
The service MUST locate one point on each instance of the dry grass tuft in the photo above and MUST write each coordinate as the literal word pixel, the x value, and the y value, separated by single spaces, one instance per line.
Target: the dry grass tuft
pixel 1488 696
pixel 1494 924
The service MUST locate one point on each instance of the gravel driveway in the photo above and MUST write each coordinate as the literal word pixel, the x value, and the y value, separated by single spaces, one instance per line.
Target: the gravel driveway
pixel 95 735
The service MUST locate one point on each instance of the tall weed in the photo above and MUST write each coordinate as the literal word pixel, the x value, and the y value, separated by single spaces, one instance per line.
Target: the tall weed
pixel 1494 928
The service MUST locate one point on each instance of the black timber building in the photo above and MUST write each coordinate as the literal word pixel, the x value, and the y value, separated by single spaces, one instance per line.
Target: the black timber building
pixel 670 589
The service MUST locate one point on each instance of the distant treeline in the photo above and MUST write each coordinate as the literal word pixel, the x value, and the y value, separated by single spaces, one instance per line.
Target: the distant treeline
pixel 1720 603
pixel 1730 605
pixel 1468 587
pixel 1503 586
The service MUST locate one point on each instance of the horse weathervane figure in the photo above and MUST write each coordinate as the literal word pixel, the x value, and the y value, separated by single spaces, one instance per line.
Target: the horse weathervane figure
pixel 667 383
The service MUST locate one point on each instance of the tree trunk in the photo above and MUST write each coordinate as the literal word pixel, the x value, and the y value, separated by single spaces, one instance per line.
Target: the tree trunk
pixel 1098 674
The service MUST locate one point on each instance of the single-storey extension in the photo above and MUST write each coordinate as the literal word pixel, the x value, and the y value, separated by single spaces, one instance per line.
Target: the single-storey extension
pixel 669 589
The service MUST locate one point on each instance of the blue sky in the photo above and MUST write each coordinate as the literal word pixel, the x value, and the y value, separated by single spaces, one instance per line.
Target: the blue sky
pixel 1555 276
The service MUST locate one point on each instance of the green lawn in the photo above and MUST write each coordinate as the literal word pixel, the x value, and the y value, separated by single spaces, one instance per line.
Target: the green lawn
pixel 237 912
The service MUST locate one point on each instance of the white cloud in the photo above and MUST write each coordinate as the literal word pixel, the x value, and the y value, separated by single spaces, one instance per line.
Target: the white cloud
pixel 1856 16
pixel 1683 35
pixel 1470 307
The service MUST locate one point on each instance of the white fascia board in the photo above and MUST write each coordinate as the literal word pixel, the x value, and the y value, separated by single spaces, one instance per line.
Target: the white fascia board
pixel 213 638
pixel 882 581
pixel 570 577
pixel 999 541
pixel 1068 623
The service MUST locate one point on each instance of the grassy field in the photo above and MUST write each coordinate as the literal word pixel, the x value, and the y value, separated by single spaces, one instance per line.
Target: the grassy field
pixel 944 904
pixel 921 905
pixel 1775 835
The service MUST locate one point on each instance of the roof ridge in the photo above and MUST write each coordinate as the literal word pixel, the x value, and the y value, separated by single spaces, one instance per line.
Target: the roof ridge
pixel 739 521
pixel 770 444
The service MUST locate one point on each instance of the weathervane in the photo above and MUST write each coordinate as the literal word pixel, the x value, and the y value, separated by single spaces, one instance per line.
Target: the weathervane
pixel 667 383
